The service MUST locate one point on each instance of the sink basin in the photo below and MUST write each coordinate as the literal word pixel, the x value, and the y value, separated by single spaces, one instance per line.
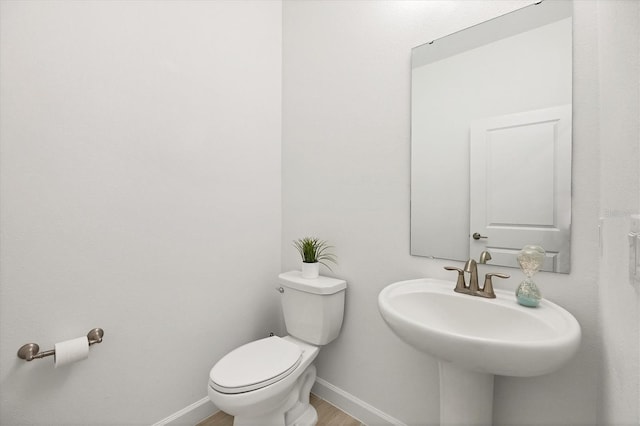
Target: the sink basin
pixel 493 336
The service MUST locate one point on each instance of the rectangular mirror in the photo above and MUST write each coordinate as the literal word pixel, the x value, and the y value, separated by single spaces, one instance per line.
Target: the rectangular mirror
pixel 491 139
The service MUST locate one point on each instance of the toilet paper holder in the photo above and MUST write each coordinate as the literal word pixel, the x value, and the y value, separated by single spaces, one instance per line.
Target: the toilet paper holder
pixel 31 351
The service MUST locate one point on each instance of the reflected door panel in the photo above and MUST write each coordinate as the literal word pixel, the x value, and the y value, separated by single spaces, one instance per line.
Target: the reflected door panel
pixel 520 185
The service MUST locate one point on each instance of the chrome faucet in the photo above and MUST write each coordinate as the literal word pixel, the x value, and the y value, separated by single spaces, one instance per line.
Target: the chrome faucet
pixel 461 285
pixel 471 266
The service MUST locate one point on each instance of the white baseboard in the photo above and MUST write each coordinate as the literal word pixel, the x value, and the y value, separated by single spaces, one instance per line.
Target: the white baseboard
pixel 355 407
pixel 190 415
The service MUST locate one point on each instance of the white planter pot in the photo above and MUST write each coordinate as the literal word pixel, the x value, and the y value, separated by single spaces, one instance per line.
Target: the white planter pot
pixel 310 270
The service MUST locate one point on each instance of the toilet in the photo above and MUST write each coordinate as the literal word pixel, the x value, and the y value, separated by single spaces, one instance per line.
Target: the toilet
pixel 268 381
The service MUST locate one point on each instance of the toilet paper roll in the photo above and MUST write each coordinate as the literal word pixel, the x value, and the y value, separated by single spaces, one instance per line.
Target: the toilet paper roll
pixel 70 351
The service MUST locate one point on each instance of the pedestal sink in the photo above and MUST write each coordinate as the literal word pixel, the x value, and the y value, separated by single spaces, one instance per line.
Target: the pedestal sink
pixel 475 338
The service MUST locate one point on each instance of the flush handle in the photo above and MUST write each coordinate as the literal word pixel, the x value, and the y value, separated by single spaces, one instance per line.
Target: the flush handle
pixel 477 236
pixel 280 289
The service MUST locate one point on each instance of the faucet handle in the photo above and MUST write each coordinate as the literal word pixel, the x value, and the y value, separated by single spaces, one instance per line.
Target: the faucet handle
pixel 461 286
pixel 487 288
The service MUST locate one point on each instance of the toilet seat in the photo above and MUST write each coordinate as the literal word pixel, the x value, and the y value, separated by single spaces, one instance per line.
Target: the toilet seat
pixel 255 365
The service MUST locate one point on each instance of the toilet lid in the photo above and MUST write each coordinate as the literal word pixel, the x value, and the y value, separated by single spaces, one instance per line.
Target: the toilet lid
pixel 255 365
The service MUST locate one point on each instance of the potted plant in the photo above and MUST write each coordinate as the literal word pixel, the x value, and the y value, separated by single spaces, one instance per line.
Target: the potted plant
pixel 313 252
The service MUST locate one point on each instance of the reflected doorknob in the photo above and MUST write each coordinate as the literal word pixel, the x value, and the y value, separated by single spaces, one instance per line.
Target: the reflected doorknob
pixel 477 236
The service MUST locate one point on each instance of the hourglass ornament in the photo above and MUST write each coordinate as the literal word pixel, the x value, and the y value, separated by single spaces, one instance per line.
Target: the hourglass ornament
pixel 530 259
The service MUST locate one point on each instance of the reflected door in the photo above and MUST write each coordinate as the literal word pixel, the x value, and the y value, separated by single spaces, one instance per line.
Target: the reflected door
pixel 520 181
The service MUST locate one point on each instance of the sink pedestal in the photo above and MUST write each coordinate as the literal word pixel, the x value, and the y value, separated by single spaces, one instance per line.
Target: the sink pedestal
pixel 466 397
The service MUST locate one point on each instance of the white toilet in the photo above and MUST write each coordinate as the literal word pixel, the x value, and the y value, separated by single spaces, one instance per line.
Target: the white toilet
pixel 267 382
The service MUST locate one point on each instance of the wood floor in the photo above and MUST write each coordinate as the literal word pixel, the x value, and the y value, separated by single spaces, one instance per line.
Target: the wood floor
pixel 328 415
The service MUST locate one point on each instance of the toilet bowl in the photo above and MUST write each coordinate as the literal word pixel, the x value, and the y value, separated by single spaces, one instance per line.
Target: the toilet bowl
pixel 267 393
pixel 267 382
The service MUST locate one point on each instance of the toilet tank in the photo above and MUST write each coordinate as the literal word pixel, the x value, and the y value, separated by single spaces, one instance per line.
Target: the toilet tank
pixel 313 309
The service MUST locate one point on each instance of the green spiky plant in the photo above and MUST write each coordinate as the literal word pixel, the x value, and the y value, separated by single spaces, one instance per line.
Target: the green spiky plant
pixel 314 250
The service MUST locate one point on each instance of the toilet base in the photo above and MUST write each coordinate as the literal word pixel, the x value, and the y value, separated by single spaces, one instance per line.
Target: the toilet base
pixel 294 411
pixel 308 418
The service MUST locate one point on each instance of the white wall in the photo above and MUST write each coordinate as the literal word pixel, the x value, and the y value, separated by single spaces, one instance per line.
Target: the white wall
pixel 140 177
pixel 619 88
pixel 346 120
